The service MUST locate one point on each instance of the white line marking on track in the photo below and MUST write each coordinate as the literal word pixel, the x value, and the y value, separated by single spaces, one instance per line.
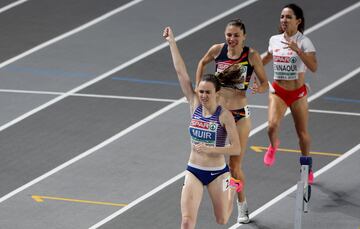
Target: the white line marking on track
pixel 138 200
pixel 264 125
pixel 335 84
pixel 106 74
pixel 126 98
pixel 93 149
pixel 335 112
pixel 258 106
pixel 254 131
pixel 314 111
pixel 333 18
pixel 311 98
pixel 31 92
pixel 116 69
pixel 74 90
pixel 71 32
pixel 117 136
pixel 216 18
pixel 293 188
pixel 152 100
pixel 89 95
pixel 12 5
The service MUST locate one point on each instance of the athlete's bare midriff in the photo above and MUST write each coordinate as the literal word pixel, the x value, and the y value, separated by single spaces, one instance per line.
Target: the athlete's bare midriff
pixel 291 85
pixel 206 160
pixel 232 99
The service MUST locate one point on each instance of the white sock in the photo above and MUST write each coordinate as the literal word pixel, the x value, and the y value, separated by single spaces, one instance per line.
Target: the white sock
pixel 244 203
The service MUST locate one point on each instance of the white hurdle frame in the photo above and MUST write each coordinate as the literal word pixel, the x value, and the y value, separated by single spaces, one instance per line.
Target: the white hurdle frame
pixel 302 197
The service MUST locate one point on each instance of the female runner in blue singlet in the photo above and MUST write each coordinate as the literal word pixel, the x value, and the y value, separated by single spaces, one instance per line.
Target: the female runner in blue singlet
pixel 209 127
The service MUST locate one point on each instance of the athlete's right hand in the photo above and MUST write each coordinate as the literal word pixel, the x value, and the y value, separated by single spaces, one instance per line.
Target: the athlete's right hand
pixel 168 34
pixel 201 148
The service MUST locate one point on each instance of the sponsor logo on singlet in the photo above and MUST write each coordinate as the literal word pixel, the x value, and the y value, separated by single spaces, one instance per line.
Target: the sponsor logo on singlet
pixel 221 66
pixel 285 59
pixel 285 67
pixel 203 132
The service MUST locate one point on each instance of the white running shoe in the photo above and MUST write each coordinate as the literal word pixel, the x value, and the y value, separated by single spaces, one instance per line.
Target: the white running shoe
pixel 243 213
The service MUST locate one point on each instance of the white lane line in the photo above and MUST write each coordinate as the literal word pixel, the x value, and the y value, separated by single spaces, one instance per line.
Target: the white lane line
pixel 293 188
pixel 258 106
pixel 71 32
pixel 108 141
pixel 139 200
pixel 152 100
pixel 337 160
pixel 93 149
pixel 335 112
pixel 89 95
pixel 120 67
pixel 12 5
pixel 126 98
pixel 264 125
pixel 314 111
pixel 30 92
pixel 216 18
pixel 335 84
pixel 315 96
pixel 73 91
pixel 311 98
pixel 252 132
pixel 333 17
pixel 106 74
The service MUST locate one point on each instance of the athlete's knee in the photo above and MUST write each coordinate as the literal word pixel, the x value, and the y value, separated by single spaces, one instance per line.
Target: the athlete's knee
pixel 273 126
pixel 187 222
pixel 224 216
pixel 222 220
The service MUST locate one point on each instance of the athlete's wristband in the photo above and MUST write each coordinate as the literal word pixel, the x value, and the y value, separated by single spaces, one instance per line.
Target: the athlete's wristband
pixel 299 52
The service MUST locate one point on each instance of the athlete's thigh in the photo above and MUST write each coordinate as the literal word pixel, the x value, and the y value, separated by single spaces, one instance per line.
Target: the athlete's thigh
pixel 300 113
pixel 191 195
pixel 277 108
pixel 221 199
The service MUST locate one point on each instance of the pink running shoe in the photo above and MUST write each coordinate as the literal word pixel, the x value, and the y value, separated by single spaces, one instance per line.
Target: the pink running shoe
pixel 236 184
pixel 269 157
pixel 311 177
